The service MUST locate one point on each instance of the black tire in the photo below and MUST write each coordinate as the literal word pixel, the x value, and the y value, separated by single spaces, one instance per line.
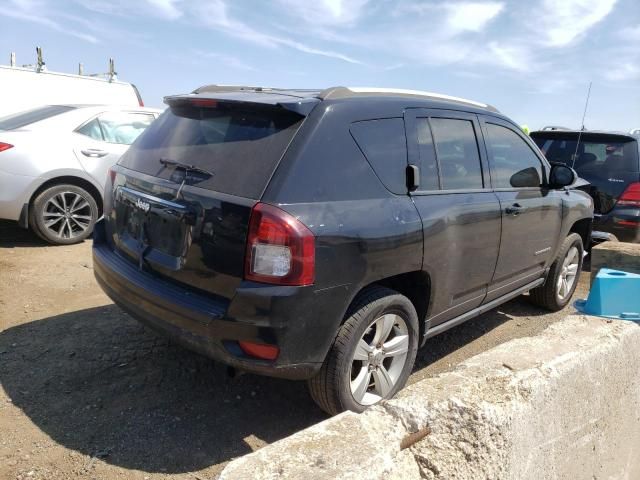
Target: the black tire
pixel 547 295
pixel 41 211
pixel 331 387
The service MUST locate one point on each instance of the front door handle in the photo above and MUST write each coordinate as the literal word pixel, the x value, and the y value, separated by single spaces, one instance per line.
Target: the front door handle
pixel 515 209
pixel 94 153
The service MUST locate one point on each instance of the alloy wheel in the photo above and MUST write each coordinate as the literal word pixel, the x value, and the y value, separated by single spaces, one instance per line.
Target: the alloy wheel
pixel 379 359
pixel 67 215
pixel 568 274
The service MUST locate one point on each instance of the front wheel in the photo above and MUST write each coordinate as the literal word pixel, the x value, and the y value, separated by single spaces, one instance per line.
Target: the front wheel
pixel 372 355
pixel 563 276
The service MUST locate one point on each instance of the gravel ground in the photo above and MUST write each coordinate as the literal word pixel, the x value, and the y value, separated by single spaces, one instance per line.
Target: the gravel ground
pixel 87 392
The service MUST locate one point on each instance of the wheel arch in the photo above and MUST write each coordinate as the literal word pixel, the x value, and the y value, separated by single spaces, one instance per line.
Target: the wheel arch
pixel 70 180
pixel 583 228
pixel 416 286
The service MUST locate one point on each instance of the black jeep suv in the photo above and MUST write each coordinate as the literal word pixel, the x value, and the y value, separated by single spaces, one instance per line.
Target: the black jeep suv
pixel 325 235
pixel 610 162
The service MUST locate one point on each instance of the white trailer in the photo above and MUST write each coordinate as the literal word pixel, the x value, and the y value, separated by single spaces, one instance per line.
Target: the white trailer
pixel 30 86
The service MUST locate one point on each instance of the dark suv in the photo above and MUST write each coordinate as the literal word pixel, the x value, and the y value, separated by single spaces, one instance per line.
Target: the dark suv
pixel 610 162
pixel 325 235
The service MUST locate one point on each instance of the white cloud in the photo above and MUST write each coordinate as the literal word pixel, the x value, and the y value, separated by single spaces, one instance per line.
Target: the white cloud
pixel 326 12
pixel 471 16
pixel 166 8
pixel 35 12
pixel 215 14
pixel 563 21
pixel 513 57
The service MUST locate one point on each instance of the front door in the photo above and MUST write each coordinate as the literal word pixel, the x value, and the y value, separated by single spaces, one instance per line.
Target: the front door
pixel 460 214
pixel 531 213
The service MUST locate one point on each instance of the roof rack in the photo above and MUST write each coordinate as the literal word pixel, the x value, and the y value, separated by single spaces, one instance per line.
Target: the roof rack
pixel 337 92
pixel 40 66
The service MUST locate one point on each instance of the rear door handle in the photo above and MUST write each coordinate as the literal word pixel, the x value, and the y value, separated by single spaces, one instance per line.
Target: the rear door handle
pixel 515 209
pixel 93 153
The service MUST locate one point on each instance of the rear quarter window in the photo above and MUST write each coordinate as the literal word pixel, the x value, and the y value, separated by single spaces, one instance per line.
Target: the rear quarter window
pixel 384 144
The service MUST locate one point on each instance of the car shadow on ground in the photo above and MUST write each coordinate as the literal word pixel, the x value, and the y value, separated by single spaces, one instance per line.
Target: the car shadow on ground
pixel 11 235
pixel 98 382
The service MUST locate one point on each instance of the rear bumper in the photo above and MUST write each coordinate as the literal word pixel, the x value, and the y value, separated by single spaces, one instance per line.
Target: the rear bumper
pixel 302 323
pixel 14 193
pixel 624 223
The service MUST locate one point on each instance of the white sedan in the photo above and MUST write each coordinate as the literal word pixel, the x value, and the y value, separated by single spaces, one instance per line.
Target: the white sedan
pixel 54 161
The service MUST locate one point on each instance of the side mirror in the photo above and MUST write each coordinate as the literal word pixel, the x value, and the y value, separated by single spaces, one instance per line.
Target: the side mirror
pixel 561 176
pixel 528 177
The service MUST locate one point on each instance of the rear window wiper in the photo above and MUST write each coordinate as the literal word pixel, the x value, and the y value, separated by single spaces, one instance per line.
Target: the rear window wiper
pixel 185 166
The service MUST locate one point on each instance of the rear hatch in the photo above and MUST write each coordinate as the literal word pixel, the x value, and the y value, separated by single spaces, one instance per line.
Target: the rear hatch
pixel 609 162
pixel 181 197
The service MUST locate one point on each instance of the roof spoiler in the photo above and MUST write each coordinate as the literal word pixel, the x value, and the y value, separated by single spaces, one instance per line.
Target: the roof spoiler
pixel 301 106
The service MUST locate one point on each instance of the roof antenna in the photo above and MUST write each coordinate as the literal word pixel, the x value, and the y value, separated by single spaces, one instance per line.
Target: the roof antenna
pixel 586 104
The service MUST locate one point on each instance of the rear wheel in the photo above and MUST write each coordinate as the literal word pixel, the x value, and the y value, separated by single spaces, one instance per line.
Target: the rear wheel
pixel 63 214
pixel 563 276
pixel 372 356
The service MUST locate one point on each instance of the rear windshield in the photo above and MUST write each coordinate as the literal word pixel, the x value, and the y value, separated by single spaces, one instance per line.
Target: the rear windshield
pixel 594 154
pixel 240 147
pixel 22 119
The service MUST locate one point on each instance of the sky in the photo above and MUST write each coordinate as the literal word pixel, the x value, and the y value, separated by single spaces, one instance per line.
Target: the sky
pixel 532 59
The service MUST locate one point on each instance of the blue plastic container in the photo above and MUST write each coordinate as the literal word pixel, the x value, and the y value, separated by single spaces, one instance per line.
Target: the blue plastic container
pixel 614 294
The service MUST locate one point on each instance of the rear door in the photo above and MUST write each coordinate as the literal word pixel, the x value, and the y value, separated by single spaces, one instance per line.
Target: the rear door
pixel 531 213
pixel 102 140
pixel 460 214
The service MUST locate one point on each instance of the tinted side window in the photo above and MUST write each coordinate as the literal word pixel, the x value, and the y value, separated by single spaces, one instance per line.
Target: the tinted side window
pixel 457 151
pixel 428 165
pixel 92 130
pixel 513 163
pixel 384 144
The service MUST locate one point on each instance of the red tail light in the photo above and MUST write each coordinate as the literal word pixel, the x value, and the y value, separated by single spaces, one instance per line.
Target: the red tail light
pixel 204 102
pixel 631 195
pixel 280 248
pixel 260 350
pixel 5 146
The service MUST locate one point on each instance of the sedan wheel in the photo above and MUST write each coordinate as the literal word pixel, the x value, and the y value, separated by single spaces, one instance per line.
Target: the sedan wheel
pixel 64 214
pixel 67 215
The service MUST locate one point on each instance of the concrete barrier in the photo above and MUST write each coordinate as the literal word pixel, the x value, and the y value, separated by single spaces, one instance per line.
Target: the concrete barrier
pixel 616 255
pixel 562 405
